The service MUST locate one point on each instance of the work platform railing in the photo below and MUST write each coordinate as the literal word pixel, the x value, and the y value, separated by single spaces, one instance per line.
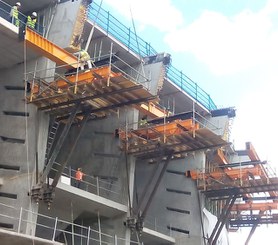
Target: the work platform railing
pixel 239 176
pixel 98 185
pixel 180 134
pixel 55 229
pixel 103 88
pixel 120 67
pixel 111 25
pixel 5 10
pixel 103 186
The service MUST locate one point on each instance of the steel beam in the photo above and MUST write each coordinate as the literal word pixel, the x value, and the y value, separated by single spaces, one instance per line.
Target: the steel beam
pixel 92 97
pixel 114 106
pixel 155 169
pixel 242 190
pixel 253 228
pixel 156 185
pixel 59 144
pixel 222 220
pixel 64 164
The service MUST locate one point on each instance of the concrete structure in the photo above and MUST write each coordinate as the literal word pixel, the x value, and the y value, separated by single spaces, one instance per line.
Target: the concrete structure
pixel 123 198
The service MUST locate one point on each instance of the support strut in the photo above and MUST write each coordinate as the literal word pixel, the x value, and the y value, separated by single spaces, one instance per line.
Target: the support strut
pixel 59 144
pixel 222 220
pixel 61 168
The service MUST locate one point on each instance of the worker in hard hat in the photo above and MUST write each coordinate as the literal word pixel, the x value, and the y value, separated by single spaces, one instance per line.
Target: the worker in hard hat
pixel 79 177
pixel 83 59
pixel 14 14
pixel 143 122
pixel 32 20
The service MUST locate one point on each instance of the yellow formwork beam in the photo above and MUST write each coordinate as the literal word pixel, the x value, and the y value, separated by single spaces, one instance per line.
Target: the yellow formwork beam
pixel 152 110
pixel 49 49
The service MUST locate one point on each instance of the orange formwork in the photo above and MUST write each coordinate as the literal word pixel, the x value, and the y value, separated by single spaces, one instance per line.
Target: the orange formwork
pixel 50 50
pixel 80 79
pixel 255 206
pixel 152 110
pixel 239 173
pixel 173 128
pixel 98 87
pixel 178 137
pixel 220 157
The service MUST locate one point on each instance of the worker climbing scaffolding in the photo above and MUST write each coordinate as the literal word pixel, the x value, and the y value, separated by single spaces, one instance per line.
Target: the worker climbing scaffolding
pixel 84 59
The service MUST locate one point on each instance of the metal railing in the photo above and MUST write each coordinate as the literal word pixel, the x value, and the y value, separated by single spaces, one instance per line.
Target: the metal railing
pixel 5 10
pixel 127 37
pixel 153 223
pixel 190 87
pixel 55 229
pixel 97 185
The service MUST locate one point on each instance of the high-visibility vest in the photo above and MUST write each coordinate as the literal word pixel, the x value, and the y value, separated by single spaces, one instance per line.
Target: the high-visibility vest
pixel 143 122
pixel 31 22
pixel 14 12
pixel 79 175
pixel 14 15
pixel 84 56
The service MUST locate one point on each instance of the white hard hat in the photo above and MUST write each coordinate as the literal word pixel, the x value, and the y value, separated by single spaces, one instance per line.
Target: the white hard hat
pixel 34 14
pixel 18 4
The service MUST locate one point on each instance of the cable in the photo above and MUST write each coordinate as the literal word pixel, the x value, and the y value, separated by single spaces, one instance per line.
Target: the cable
pixel 93 27
pixel 26 118
pixel 128 187
pixel 136 37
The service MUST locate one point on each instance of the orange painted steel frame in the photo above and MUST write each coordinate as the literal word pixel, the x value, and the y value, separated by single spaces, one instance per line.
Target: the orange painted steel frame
pixel 168 129
pixel 152 110
pixel 255 206
pixel 86 77
pixel 233 173
pixel 220 157
pixel 50 50
pixel 83 77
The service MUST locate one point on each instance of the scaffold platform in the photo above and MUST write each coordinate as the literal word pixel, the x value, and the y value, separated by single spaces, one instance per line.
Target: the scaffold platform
pixel 98 89
pixel 252 185
pixel 178 137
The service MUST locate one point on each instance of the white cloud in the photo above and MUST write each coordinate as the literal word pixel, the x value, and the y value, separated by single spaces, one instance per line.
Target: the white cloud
pixel 229 45
pixel 256 121
pixel 162 14
pixel 225 45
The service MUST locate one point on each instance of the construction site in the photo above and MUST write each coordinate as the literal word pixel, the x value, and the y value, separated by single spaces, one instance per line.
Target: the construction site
pixel 122 148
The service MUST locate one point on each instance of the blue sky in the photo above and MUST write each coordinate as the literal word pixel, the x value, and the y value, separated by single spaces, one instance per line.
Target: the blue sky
pixel 229 47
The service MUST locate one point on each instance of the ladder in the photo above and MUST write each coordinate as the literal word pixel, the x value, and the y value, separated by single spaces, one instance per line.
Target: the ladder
pixel 51 138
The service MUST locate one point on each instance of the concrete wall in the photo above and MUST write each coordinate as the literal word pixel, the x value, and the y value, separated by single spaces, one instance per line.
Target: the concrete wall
pixel 175 192
pixel 219 125
pixel 20 127
pixel 61 29
pixel 98 153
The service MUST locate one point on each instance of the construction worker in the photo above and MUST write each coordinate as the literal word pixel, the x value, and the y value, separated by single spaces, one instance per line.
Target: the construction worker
pixel 79 177
pixel 32 20
pixel 84 58
pixel 14 14
pixel 143 121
